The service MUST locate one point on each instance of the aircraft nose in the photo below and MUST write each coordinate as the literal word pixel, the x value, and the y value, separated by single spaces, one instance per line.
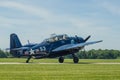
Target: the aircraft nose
pixel 79 39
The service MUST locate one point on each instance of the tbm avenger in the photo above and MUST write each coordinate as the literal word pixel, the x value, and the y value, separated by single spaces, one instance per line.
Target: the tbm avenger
pixel 55 46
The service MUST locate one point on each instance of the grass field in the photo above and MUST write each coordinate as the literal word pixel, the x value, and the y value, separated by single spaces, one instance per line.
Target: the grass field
pixel 84 70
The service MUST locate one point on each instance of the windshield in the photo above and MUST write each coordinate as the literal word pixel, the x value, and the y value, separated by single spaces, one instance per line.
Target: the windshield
pixel 56 38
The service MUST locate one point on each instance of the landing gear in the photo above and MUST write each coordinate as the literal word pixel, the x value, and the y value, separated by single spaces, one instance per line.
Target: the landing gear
pixel 75 58
pixel 27 61
pixel 61 59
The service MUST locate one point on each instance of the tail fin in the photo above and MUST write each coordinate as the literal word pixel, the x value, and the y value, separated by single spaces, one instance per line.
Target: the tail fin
pixel 14 41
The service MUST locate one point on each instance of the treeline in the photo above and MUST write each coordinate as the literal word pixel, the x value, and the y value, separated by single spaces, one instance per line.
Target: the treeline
pixel 91 54
pixel 4 54
pixel 98 54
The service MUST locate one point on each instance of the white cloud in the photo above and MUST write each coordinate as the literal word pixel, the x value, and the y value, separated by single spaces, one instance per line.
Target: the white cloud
pixel 111 7
pixel 26 8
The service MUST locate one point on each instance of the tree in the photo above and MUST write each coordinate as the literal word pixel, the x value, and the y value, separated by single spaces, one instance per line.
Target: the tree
pixel 2 54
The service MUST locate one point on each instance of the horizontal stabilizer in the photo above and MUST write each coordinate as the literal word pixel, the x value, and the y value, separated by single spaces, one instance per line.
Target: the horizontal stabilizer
pixel 21 48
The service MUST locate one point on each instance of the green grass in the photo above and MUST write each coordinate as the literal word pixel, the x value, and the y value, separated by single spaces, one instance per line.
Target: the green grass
pixel 82 71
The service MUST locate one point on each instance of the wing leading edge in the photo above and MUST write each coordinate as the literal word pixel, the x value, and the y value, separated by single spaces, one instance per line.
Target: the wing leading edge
pixel 74 46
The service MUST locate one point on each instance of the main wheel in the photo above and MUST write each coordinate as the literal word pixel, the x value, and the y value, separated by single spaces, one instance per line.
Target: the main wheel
pixel 27 61
pixel 75 59
pixel 61 59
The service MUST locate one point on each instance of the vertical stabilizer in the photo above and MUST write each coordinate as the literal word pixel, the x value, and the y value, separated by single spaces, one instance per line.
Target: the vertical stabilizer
pixel 14 41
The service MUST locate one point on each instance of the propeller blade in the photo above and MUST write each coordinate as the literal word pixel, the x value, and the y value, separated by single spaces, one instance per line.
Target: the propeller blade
pixel 77 39
pixel 87 38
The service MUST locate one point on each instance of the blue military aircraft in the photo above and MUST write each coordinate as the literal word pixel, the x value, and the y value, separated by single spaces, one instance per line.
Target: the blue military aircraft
pixel 55 46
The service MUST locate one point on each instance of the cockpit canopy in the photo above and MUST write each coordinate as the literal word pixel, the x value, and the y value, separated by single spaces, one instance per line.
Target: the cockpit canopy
pixel 54 38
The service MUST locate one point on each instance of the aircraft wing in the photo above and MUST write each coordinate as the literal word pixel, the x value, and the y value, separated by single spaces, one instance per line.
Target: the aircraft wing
pixel 74 46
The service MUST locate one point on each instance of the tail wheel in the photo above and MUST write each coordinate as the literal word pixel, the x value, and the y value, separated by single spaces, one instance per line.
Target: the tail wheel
pixel 61 59
pixel 75 59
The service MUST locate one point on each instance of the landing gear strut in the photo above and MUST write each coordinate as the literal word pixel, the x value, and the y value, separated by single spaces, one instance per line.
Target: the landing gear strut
pixel 61 59
pixel 75 58
pixel 27 61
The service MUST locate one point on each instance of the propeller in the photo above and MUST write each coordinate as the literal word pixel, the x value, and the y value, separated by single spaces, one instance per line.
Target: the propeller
pixel 84 40
pixel 87 38
pixel 78 39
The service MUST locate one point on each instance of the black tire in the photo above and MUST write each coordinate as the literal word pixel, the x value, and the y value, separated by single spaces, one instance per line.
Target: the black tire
pixel 75 59
pixel 61 59
pixel 27 61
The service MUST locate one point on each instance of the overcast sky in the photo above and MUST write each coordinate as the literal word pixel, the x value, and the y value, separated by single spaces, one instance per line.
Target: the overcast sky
pixel 35 20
